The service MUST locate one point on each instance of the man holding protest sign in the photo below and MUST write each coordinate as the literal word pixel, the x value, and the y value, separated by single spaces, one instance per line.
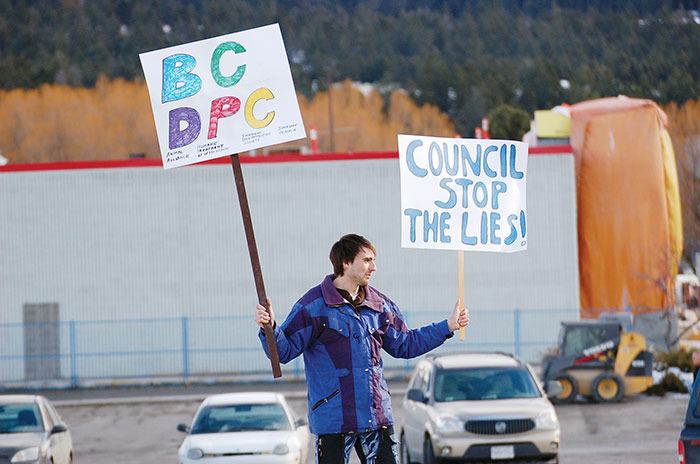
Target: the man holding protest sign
pixel 340 326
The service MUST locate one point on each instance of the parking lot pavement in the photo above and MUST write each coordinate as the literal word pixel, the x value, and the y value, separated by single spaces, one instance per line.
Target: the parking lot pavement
pixel 641 430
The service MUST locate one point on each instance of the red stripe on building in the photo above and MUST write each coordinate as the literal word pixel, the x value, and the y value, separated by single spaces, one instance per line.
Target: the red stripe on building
pixel 277 158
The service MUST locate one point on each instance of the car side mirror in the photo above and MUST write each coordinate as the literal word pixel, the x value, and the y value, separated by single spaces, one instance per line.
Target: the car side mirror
pixel 59 428
pixel 553 388
pixel 300 423
pixel 415 394
pixel 183 428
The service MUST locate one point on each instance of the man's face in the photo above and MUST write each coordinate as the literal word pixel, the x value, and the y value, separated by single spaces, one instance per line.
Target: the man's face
pixel 360 270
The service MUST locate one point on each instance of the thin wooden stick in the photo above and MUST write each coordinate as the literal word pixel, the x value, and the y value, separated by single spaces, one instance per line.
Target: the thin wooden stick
pixel 255 263
pixel 460 276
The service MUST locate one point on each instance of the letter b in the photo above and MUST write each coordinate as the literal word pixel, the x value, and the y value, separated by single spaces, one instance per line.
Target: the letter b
pixel 178 81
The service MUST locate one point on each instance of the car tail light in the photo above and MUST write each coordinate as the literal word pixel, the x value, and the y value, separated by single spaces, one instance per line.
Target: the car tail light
pixel 681 452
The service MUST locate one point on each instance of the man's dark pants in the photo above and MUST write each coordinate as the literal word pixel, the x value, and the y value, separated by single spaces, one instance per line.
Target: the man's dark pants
pixel 378 447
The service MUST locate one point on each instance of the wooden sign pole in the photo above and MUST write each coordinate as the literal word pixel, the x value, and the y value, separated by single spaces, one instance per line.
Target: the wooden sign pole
pixel 255 262
pixel 460 274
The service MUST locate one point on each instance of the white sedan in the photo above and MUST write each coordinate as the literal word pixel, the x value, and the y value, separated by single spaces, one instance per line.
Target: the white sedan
pixel 32 432
pixel 245 428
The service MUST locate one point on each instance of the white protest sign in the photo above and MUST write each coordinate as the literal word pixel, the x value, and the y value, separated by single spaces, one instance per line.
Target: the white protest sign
pixel 463 194
pixel 221 96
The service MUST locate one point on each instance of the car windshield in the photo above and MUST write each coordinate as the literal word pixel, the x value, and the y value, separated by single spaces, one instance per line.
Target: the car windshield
pixel 241 418
pixel 490 383
pixel 20 418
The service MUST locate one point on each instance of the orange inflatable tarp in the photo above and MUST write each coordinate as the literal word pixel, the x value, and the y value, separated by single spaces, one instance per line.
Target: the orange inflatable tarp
pixel 629 224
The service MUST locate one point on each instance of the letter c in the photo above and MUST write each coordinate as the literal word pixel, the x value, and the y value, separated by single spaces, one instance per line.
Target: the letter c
pixel 487 169
pixel 262 93
pixel 411 162
pixel 226 81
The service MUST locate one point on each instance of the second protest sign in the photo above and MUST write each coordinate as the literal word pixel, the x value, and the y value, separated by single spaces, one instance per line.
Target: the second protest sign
pixel 463 194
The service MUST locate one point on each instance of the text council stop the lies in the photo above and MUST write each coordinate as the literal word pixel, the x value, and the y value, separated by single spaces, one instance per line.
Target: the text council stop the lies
pixel 463 194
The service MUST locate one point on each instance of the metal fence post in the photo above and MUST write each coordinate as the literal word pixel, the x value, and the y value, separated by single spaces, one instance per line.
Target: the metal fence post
pixel 185 346
pixel 517 341
pixel 73 355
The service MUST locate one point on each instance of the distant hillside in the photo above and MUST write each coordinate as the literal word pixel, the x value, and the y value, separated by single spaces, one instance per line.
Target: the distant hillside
pixel 466 57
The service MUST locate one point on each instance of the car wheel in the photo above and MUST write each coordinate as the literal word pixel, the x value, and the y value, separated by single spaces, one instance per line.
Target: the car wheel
pixel 428 452
pixel 569 389
pixel 405 457
pixel 607 388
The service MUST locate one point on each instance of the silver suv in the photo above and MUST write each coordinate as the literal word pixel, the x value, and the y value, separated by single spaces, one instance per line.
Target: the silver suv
pixel 478 407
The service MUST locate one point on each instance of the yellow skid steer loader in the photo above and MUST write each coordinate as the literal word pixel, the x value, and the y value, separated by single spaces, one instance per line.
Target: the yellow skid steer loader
pixel 598 360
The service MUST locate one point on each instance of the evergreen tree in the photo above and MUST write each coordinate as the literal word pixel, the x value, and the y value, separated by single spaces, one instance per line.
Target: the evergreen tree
pixel 467 57
pixel 508 122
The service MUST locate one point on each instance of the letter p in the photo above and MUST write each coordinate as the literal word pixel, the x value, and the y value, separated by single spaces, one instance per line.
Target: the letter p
pixel 221 108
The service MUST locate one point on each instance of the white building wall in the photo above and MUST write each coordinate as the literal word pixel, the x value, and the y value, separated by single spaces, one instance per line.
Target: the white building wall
pixel 147 243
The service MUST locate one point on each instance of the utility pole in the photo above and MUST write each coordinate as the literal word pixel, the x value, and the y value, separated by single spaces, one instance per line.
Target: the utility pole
pixel 329 79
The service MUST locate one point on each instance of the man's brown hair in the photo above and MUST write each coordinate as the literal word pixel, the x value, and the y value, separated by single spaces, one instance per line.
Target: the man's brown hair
pixel 345 250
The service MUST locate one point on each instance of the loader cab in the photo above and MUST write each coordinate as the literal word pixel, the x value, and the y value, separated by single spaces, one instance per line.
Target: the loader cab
pixel 577 337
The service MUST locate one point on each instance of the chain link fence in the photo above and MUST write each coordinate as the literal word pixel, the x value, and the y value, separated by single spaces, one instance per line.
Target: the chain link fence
pixel 187 348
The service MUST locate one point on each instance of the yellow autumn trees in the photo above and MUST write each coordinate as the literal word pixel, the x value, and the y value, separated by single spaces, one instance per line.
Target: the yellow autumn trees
pixel 361 122
pixel 684 128
pixel 60 123
pixel 113 120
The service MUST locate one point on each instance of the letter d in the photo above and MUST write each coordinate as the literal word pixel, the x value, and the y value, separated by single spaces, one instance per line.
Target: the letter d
pixel 181 137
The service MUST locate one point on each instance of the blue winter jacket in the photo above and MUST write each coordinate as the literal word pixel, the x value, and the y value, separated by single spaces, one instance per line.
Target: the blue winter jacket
pixel 344 370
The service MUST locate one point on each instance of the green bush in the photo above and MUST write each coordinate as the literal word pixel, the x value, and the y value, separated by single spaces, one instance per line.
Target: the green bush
pixel 680 358
pixel 508 122
pixel 655 390
pixel 670 383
